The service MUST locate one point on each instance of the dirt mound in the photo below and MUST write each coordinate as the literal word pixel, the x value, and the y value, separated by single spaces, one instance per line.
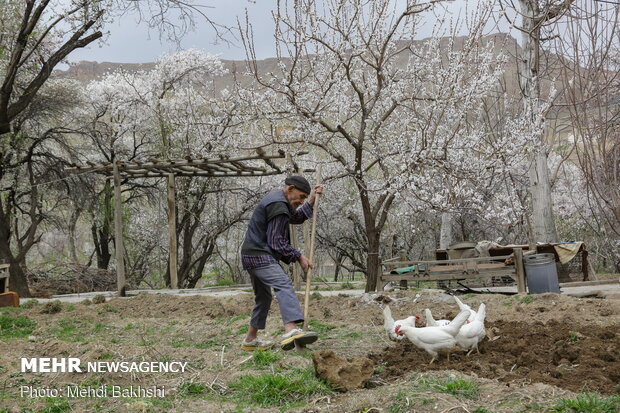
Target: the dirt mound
pixel 340 373
pixel 166 305
pixel 577 358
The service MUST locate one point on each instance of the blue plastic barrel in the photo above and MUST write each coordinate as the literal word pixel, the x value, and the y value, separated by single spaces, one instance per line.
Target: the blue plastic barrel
pixel 541 274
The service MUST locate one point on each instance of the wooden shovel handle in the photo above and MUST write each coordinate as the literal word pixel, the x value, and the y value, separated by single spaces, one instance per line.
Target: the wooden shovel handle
pixel 315 211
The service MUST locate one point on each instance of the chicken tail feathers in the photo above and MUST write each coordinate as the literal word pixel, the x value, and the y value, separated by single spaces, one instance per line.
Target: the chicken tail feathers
pixel 481 313
pixel 456 324
pixel 430 321
pixel 461 305
pixel 387 316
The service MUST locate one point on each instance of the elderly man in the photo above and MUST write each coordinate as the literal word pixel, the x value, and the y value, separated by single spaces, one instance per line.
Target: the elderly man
pixel 267 242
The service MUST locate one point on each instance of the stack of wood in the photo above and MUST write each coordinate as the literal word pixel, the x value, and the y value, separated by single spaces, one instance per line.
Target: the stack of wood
pixel 69 279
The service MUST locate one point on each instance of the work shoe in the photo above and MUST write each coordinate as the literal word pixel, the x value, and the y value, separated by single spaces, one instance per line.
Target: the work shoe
pixel 256 344
pixel 297 335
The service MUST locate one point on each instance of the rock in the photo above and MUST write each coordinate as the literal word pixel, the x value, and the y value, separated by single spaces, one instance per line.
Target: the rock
pixel 341 374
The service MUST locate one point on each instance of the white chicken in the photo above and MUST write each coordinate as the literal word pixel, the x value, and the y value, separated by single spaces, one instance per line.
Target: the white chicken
pixel 465 307
pixel 390 325
pixel 472 332
pixel 431 322
pixel 435 339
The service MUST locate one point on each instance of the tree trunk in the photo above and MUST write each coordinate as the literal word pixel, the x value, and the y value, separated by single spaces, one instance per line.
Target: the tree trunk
pixel 445 233
pixel 17 277
pixel 543 224
pixel 372 266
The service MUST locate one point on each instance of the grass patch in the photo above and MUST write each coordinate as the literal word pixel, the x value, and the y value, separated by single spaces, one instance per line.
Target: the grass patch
pixel 588 403
pixel 98 299
pixel 405 401
pixel 457 387
pixel 52 307
pixel 56 405
pixel 238 317
pixel 527 299
pixel 192 389
pixel 320 328
pixel 283 390
pixel 15 326
pixel 264 359
pixel 69 330
pixel 346 286
pixel 33 302
pixel 107 308
pixel 208 344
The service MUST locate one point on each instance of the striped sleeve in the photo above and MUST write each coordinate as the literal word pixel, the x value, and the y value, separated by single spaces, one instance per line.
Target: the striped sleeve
pixel 278 241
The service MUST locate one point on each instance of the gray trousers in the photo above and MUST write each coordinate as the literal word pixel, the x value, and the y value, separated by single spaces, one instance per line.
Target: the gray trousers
pixel 263 280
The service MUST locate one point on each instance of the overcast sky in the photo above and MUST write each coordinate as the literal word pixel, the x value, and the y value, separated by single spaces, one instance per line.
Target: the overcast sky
pixel 133 42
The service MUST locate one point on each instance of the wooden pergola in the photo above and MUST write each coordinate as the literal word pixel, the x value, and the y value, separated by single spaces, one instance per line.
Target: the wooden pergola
pixel 260 164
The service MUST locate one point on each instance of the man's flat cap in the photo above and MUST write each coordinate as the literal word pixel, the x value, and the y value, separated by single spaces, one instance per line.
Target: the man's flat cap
pixel 300 183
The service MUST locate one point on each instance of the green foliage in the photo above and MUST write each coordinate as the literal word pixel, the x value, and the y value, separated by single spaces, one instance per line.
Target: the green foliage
pixel 68 330
pixel 346 286
pixel 99 299
pixel 238 317
pixel 86 302
pixel 481 410
pixel 52 307
pixel 99 327
pixel 15 326
pixel 107 308
pixel 30 303
pixel 588 403
pixel 69 307
pixel 191 388
pixel 573 337
pixel 456 387
pixel 320 328
pixel 527 299
pixel 316 296
pixel 282 390
pixel 56 405
pixel 266 358
pixel 405 400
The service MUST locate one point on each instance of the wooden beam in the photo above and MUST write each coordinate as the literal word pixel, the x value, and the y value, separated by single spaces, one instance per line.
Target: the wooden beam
pixel 118 233
pixel 172 233
pixel 518 254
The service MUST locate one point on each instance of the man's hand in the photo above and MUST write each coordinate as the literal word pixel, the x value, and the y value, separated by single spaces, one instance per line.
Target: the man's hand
pixel 305 265
pixel 318 189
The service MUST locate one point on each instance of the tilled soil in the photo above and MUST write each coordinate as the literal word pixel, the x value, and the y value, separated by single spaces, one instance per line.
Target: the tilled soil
pixel 539 348
pixel 576 358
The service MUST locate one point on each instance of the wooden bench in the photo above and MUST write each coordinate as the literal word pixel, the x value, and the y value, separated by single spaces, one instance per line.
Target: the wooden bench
pixel 458 269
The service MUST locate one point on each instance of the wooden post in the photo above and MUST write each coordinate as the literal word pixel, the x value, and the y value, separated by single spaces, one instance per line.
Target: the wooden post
pixel 118 233
pixel 172 233
pixel 518 254
pixel 402 255
pixel 315 212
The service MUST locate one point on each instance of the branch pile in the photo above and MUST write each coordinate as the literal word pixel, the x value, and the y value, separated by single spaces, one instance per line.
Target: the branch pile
pixel 62 278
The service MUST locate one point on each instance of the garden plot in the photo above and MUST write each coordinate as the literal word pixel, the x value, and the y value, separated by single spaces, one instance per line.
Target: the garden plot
pixel 545 351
